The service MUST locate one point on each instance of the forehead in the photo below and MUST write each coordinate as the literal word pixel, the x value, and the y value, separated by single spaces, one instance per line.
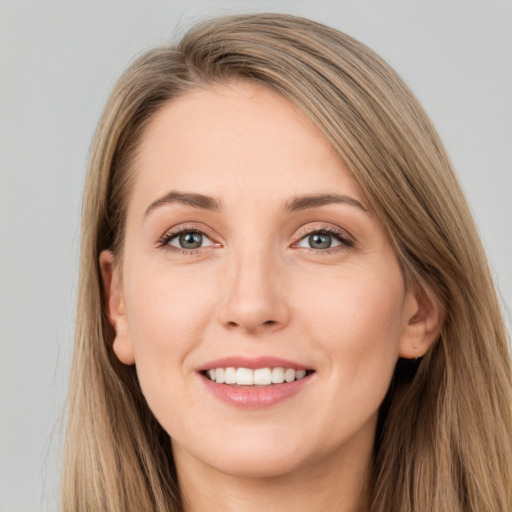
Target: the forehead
pixel 239 137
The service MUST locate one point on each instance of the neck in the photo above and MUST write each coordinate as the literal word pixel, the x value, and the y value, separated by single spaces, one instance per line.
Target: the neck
pixel 332 485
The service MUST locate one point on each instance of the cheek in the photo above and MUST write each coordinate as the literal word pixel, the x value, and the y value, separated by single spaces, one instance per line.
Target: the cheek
pixel 165 307
pixel 357 324
pixel 355 305
pixel 167 315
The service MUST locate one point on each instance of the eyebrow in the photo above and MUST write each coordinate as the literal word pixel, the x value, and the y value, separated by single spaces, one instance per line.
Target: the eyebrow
pixel 316 200
pixel 297 203
pixel 187 198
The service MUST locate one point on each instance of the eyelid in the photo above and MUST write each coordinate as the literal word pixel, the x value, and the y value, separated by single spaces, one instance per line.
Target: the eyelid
pixel 344 237
pixel 173 232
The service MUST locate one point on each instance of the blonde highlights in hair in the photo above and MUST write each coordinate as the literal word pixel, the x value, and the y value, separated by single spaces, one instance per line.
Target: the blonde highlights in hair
pixel 444 436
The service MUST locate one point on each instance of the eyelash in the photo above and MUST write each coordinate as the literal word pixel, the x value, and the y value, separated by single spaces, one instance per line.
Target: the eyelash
pixel 170 235
pixel 345 241
pixel 340 236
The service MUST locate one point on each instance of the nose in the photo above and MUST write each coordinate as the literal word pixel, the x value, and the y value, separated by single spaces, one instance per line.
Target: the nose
pixel 255 300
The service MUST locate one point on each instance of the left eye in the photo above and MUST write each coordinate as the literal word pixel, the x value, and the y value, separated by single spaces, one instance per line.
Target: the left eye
pixel 189 240
pixel 320 240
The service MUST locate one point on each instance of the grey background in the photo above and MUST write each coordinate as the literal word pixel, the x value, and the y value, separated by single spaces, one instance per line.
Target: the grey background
pixel 59 60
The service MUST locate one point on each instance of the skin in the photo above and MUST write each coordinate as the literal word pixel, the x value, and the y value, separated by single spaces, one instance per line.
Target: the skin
pixel 257 288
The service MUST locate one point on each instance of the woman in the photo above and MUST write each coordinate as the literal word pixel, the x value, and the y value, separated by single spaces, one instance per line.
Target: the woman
pixel 284 302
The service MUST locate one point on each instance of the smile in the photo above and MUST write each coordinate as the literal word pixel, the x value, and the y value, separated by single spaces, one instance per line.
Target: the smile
pixel 255 382
pixel 254 377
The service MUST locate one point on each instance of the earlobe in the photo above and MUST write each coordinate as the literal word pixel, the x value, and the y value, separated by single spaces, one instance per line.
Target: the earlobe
pixel 423 317
pixel 114 302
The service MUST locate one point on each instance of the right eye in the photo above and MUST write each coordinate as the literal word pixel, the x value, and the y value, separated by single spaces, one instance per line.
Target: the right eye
pixel 188 240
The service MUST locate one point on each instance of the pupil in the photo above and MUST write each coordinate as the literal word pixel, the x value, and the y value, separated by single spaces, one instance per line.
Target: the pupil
pixel 320 241
pixel 191 240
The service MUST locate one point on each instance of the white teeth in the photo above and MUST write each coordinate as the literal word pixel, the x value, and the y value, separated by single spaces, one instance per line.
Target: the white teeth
pixel 219 375
pixel 262 377
pixel 300 374
pixel 258 377
pixel 289 375
pixel 230 376
pixel 244 377
pixel 277 375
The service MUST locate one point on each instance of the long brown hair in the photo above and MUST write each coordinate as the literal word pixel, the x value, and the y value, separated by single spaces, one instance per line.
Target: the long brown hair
pixel 444 437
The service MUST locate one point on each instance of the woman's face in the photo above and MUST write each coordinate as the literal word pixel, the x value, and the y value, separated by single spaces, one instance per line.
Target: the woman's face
pixel 251 251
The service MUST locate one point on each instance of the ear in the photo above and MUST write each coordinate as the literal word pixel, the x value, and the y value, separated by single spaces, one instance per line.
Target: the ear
pixel 114 300
pixel 423 317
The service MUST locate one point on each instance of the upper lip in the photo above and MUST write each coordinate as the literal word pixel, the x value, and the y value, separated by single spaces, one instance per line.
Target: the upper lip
pixel 253 363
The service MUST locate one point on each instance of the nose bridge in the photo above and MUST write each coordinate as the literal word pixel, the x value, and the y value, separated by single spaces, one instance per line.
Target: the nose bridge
pixel 254 298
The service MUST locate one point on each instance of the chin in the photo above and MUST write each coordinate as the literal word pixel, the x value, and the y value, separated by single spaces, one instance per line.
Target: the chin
pixel 249 456
pixel 254 464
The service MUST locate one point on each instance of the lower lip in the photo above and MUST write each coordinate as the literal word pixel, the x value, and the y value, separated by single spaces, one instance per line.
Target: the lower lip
pixel 255 397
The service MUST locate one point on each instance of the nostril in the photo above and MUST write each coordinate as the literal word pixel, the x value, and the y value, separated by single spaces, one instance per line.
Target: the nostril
pixel 268 323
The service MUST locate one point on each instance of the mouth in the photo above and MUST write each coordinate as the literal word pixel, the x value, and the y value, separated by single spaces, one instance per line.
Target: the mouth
pixel 255 383
pixel 257 377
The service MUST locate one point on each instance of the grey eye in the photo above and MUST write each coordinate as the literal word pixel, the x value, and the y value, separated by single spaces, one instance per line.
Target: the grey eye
pixel 320 241
pixel 190 240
